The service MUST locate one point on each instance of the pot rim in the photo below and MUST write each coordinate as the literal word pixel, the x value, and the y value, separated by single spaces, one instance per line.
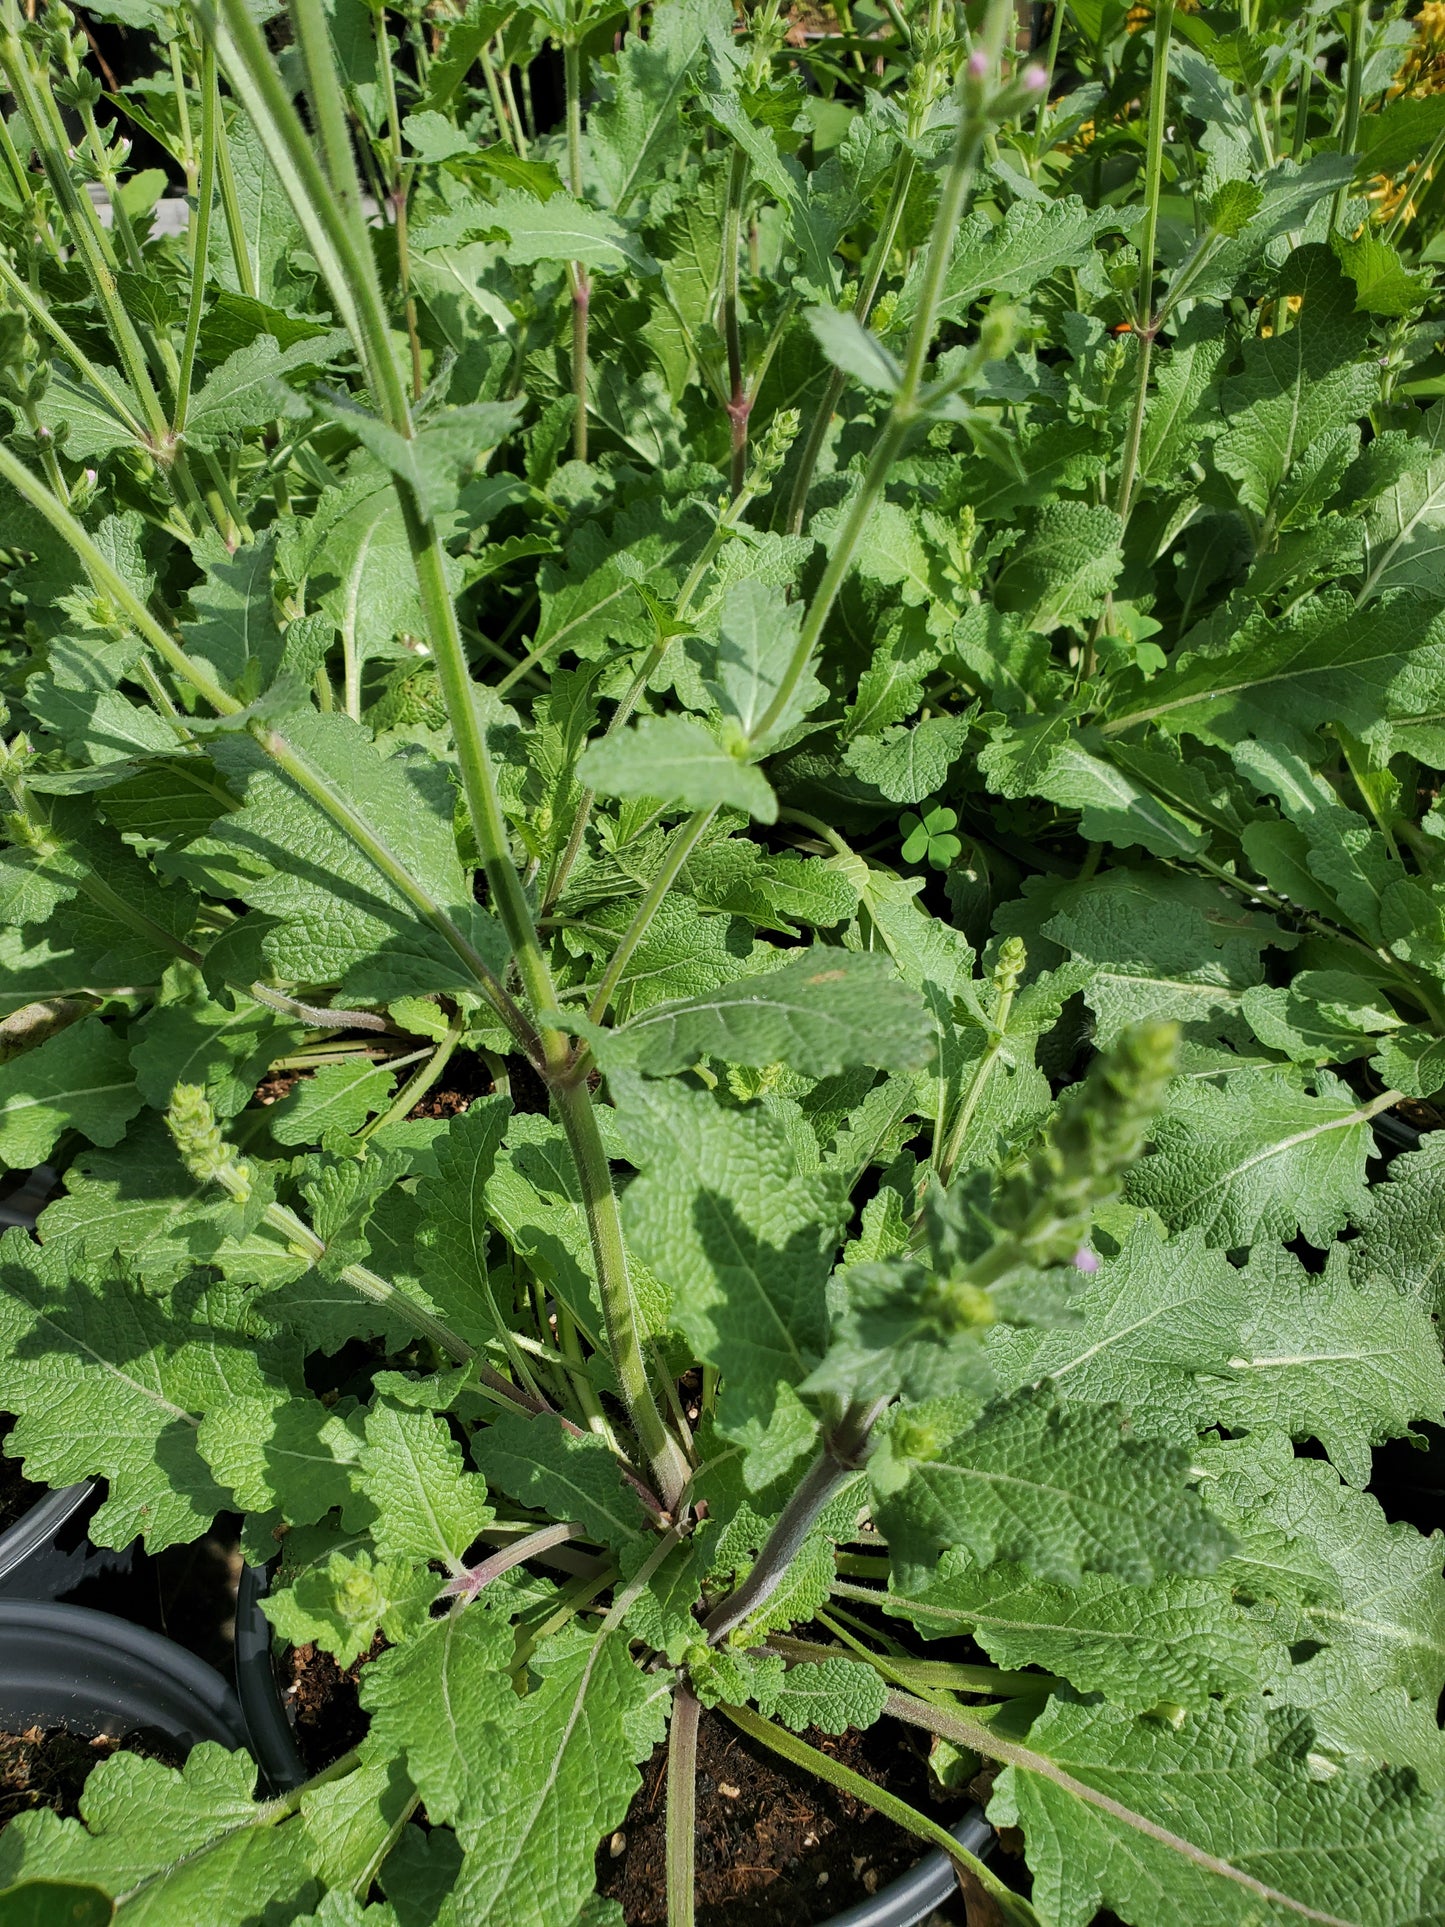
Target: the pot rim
pixel 106 1669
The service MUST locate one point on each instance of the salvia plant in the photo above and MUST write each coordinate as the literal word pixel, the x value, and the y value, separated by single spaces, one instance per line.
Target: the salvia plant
pixel 837 633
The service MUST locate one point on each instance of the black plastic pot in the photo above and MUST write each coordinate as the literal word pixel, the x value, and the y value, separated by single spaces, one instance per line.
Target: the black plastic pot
pixel 905 1901
pixel 267 1727
pixel 93 1674
pixel 46 1553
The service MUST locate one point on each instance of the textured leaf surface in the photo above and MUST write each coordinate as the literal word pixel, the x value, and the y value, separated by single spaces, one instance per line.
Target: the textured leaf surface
pixel 830 1010
pixel 1238 1791
pixel 1061 1489
pixel 741 1237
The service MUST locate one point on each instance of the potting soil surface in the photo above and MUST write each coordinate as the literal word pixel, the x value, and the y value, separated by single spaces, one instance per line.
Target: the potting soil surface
pixel 40 1768
pixel 774 1847
pixel 324 1702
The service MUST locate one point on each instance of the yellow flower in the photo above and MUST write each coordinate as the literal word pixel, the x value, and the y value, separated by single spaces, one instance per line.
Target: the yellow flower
pixel 1422 71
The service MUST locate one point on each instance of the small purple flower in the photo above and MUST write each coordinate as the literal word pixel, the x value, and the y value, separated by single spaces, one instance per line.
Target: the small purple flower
pixel 1086 1260
pixel 1035 77
pixel 978 64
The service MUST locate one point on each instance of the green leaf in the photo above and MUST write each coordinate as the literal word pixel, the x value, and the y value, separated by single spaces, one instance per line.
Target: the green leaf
pixel 1412 1061
pixel 908 764
pixel 1044 758
pixel 742 1238
pixel 444 451
pixel 1187 1341
pixel 170 1847
pixel 1324 662
pixel 1184 1640
pixel 427 1506
pixel 234 627
pixel 1401 1243
pixel 1362 1654
pixel 435 1700
pixel 565 1473
pixel 828 1010
pixel 1062 572
pixel 757 638
pixel 854 349
pixel 1239 1807
pixel 675 760
pixel 337 1097
pixel 1257 1156
pixel 834 1695
pixel 79 1080
pixel 1383 285
pixel 247 390
pixel 1060 1489
pixel 1034 240
pixel 341 1605
pixel 108 1381
pixel 339 918
pixel 640 129
pixel 561 229
pixel 48 1903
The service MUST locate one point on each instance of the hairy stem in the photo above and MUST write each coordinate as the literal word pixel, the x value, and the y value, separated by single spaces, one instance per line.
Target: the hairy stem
pixel 619 1302
pixel 739 403
pixel 578 279
pixel 681 1806
pixel 467 1584
pixel 685 841
pixel 862 308
pixel 200 237
pixel 973 124
pixel 835 1465
pixel 1354 77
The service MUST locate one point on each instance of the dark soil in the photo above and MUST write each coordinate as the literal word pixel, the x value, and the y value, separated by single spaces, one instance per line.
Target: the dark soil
pixel 276 1085
pixel 324 1702
pixel 48 1769
pixel 17 1493
pixel 466 1077
pixel 774 1846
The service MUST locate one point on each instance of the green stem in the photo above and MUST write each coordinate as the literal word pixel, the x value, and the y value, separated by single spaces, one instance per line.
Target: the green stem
pixel 726 524
pixel 231 208
pixel 1354 76
pixel 826 1768
pixel 983 1070
pixel 398 188
pixel 38 107
pixel 862 308
pixel 684 842
pixel 1419 180
pixel 1144 321
pixel 509 131
pixel 835 1466
pixel 417 1086
pixel 110 583
pixel 578 279
pixel 200 239
pixel 350 271
pixel 739 402
pixel 1302 98
pixel 681 1806
pixel 1154 164
pixel 973 123
pixel 328 108
pixel 619 1302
